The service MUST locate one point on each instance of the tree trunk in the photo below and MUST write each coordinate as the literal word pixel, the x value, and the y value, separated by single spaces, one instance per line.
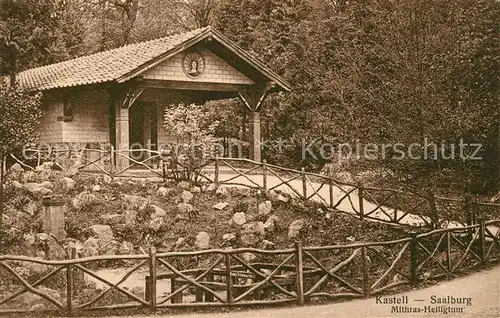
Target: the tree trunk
pixel 1 192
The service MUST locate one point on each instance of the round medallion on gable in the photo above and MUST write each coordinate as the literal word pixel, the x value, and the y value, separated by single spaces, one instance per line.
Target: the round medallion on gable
pixel 193 64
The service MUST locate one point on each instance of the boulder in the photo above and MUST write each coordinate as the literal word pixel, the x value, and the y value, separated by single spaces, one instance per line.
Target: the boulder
pixel 270 224
pixel 295 228
pixel 249 239
pixel 163 191
pixel 130 217
pixel 103 233
pixel 267 245
pixel 184 185
pixel 15 172
pixel 255 227
pixel 229 237
pixel 181 217
pixel 265 208
pixel 126 248
pixel 83 199
pixel 221 206
pixel 196 190
pixel 211 187
pixel 186 196
pixel 28 176
pixel 252 233
pixel 113 219
pixel 90 247
pixel 249 257
pixel 47 184
pixel 238 219
pixel 53 250
pixel 37 189
pixel 282 198
pixel 30 207
pixel 107 179
pixel 185 208
pixel 29 239
pixel 16 184
pixel 202 241
pixel 96 188
pixel 272 195
pixel 71 172
pixel 134 202
pixel 69 183
pixel 158 212
pixel 180 242
pixel 45 166
pixel 109 248
pixel 222 191
pixel 156 223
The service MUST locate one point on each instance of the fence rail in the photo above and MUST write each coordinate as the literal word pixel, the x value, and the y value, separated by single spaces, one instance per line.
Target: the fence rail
pixel 392 206
pixel 225 278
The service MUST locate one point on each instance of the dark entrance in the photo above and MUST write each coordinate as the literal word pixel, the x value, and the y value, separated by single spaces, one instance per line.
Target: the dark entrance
pixel 143 130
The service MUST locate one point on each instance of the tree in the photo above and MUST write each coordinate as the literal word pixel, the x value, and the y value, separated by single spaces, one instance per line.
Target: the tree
pixel 193 143
pixel 34 33
pixel 20 114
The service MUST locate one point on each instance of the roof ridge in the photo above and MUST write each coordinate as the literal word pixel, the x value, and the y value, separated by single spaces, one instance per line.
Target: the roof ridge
pixel 179 33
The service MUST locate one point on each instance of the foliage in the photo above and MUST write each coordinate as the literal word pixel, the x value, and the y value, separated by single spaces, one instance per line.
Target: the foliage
pixel 193 142
pixel 379 72
pixel 34 33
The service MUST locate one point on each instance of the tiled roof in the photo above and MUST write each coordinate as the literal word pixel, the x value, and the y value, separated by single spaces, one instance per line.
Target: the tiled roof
pixel 125 62
pixel 103 66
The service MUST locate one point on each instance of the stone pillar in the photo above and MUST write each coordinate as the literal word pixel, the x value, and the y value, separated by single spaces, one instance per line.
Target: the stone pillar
pixel 122 135
pixel 254 127
pixel 53 216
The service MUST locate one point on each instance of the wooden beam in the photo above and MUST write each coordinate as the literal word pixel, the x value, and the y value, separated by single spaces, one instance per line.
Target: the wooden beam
pixel 195 86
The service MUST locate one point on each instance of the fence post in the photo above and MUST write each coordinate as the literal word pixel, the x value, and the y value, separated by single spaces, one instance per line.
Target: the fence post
pixel 433 209
pixel 366 283
pixel 304 183
pixel 299 274
pixel 229 280
pixel 152 279
pixel 360 201
pixel 414 259
pixel 448 252
pixel 264 175
pixel 111 161
pixel 69 289
pixel 468 216
pixel 396 203
pixel 216 177
pixel 482 238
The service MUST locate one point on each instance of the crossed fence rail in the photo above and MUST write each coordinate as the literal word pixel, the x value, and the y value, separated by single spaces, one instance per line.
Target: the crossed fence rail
pixel 393 206
pixel 225 278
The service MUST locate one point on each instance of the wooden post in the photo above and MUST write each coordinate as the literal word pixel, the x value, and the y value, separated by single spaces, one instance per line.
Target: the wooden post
pixel 433 209
pixel 304 183
pixel 264 175
pixel 299 267
pixel 216 177
pixel 360 201
pixel 163 170
pixel 366 283
pixel 482 239
pixel 396 203
pixel 448 252
pixel 468 216
pixel 208 296
pixel 254 125
pixel 111 161
pixel 330 184
pixel 69 289
pixel 229 281
pixel 152 279
pixel 414 259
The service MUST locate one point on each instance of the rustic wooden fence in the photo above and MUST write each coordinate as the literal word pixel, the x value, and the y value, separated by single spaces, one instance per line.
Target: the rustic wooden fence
pixel 228 278
pixel 393 206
